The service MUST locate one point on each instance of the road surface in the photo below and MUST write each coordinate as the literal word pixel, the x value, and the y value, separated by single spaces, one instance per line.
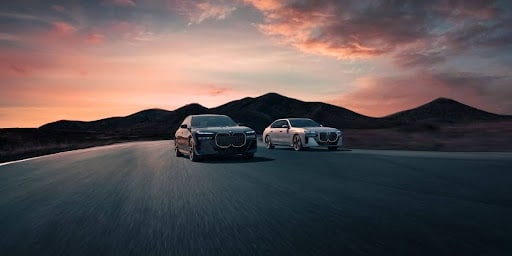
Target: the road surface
pixel 138 199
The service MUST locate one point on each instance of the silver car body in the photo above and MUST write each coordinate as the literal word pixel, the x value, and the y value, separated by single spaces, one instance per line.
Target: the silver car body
pixel 287 132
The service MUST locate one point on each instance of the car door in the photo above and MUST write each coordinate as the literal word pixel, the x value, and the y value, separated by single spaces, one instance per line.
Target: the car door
pixel 278 132
pixel 285 134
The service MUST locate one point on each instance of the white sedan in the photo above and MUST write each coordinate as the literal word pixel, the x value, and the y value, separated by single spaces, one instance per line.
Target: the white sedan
pixel 301 133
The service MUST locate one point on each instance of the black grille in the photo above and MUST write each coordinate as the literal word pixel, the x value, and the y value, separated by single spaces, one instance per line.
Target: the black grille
pixel 322 136
pixel 225 140
pixel 332 136
pixel 327 136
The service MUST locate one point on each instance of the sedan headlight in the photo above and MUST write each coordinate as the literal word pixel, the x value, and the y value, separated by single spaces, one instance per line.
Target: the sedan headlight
pixel 250 134
pixel 202 135
pixel 311 133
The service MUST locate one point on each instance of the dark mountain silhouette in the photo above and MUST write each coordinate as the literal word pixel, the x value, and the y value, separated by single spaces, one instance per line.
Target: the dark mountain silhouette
pixel 443 110
pixel 151 122
pixel 259 112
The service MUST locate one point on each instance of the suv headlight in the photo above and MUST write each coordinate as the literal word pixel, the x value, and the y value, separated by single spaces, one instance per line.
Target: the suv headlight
pixel 311 133
pixel 250 134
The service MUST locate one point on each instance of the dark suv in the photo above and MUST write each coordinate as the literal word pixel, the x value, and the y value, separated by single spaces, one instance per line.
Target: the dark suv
pixel 203 135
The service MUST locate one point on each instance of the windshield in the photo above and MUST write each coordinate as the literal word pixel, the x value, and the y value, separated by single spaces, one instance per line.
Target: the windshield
pixel 212 121
pixel 303 123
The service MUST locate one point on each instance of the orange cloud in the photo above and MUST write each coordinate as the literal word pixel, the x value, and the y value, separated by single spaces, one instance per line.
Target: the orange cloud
pixel 206 10
pixel 265 5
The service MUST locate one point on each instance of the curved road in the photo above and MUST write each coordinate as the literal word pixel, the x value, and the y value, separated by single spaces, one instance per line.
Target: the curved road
pixel 138 199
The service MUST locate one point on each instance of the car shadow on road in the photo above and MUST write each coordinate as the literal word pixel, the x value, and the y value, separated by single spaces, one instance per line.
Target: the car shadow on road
pixel 315 150
pixel 235 160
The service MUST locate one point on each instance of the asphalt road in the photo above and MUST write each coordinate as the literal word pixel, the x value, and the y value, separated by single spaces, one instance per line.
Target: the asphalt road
pixel 138 199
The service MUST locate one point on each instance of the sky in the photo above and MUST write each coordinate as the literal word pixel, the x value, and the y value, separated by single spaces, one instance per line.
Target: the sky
pixel 92 59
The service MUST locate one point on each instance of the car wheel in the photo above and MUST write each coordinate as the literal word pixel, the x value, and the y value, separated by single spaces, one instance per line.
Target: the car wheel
pixel 248 155
pixel 297 142
pixel 177 151
pixel 192 153
pixel 332 148
pixel 268 142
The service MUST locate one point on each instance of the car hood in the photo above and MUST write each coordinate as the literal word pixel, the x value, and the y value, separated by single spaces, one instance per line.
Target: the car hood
pixel 226 129
pixel 320 129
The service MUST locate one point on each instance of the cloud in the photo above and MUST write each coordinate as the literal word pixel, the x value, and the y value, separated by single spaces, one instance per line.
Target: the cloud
pixel 64 28
pixel 59 8
pixel 95 38
pixel 380 96
pixel 18 69
pixel 266 5
pixel 206 10
pixel 123 3
pixel 216 91
pixel 423 31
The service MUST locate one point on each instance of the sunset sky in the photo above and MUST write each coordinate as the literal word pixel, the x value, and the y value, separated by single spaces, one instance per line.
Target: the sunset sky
pixel 92 59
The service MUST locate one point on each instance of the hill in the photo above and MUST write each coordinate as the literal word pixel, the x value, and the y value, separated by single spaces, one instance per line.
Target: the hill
pixel 442 118
pixel 443 110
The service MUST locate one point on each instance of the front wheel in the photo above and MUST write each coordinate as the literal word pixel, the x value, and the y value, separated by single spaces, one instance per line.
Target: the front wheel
pixel 177 152
pixel 268 142
pixel 297 142
pixel 192 153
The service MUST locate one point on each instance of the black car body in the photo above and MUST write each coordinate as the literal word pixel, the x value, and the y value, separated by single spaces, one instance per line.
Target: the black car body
pixel 207 135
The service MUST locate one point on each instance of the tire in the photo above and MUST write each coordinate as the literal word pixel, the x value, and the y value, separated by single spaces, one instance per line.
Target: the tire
pixel 268 142
pixel 248 156
pixel 297 142
pixel 332 148
pixel 177 152
pixel 192 153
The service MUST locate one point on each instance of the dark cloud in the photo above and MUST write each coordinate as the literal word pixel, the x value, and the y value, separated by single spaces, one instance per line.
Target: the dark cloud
pixel 414 32
pixel 416 58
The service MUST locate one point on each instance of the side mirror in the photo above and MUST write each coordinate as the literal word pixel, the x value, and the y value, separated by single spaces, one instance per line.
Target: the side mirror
pixel 285 126
pixel 184 126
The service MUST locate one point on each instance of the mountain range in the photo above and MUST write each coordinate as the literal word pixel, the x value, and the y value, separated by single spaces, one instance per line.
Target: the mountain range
pixel 259 112
pixel 442 124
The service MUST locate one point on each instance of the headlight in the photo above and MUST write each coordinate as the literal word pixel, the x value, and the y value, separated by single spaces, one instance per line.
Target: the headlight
pixel 250 134
pixel 339 132
pixel 311 133
pixel 202 135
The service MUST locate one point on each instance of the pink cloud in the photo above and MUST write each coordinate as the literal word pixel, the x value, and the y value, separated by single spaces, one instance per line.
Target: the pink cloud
pixel 18 69
pixel 63 28
pixel 206 10
pixel 265 5
pixel 95 38
pixel 124 3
